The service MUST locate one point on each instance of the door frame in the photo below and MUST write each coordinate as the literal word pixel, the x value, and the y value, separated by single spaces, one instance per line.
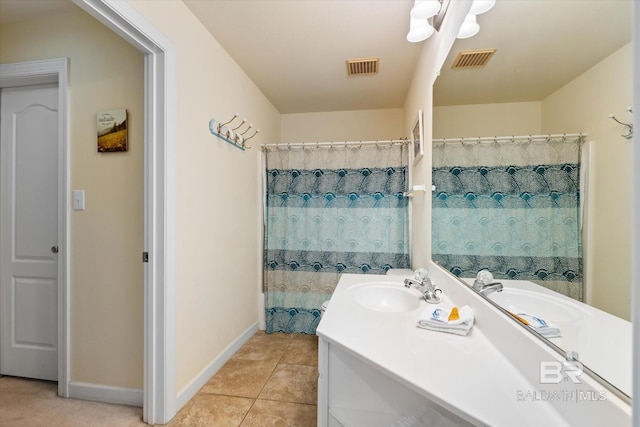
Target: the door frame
pixel 159 402
pixel 159 384
pixel 54 71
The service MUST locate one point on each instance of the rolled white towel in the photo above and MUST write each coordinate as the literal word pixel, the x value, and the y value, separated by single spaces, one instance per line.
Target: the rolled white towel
pixel 436 319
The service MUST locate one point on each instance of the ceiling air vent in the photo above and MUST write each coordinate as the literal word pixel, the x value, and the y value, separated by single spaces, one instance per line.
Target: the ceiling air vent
pixel 361 67
pixel 473 58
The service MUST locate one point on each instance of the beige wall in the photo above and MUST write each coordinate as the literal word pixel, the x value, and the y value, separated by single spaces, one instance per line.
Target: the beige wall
pixel 584 105
pixel 218 193
pixel 362 125
pixel 106 239
pixel 462 121
pixel 218 218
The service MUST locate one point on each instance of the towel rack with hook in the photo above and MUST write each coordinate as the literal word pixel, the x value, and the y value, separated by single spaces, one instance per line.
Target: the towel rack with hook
pixel 628 126
pixel 234 136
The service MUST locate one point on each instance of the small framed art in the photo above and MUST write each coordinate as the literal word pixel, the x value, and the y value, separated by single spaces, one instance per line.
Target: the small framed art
pixel 112 131
pixel 417 139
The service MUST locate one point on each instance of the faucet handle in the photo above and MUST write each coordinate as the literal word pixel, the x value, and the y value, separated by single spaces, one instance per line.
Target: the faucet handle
pixel 421 275
pixel 485 277
pixel 432 297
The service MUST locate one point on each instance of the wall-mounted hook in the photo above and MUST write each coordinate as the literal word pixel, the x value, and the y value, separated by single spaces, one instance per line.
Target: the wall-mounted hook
pixel 234 136
pixel 254 134
pixel 247 130
pixel 629 126
pixel 232 119
pixel 240 125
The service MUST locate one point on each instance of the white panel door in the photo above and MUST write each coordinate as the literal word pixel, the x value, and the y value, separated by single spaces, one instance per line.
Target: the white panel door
pixel 29 232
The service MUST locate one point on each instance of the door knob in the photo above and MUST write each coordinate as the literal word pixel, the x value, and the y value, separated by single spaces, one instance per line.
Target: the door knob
pixel 54 249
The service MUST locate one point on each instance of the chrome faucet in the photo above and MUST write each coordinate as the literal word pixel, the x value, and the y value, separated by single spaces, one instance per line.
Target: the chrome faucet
pixel 487 289
pixel 484 283
pixel 423 283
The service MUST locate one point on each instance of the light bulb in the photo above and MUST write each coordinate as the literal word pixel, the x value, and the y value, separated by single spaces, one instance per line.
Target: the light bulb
pixel 469 27
pixel 425 9
pixel 481 6
pixel 419 30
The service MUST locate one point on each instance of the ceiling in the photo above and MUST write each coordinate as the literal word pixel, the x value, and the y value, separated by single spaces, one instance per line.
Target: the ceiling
pixel 295 51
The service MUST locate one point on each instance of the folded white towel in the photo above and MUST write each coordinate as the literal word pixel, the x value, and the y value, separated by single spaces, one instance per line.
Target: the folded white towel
pixel 435 318
pixel 547 330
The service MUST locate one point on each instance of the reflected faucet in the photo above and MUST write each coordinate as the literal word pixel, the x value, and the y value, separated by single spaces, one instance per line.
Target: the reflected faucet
pixel 423 283
pixel 484 283
pixel 489 289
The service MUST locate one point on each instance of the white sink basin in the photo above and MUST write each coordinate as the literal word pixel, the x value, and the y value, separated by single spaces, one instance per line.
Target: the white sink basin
pixel 537 304
pixel 386 297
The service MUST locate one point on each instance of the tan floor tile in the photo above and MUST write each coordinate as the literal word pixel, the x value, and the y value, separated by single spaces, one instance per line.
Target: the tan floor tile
pixel 242 378
pixel 265 347
pixel 292 383
pixel 303 350
pixel 206 409
pixel 269 413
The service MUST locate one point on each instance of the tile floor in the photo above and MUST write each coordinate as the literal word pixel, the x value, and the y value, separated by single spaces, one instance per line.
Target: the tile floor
pixel 271 381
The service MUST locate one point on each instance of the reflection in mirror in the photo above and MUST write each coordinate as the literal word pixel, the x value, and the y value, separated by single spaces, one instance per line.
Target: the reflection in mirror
pixel 551 216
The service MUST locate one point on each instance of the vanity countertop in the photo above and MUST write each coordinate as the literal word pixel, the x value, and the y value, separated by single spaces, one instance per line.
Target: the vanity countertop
pixel 465 374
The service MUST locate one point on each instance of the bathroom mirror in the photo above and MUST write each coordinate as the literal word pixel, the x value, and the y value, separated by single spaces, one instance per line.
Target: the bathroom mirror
pixel 534 84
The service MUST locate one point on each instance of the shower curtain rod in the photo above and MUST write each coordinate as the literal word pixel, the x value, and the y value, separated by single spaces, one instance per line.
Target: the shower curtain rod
pixel 510 138
pixel 339 143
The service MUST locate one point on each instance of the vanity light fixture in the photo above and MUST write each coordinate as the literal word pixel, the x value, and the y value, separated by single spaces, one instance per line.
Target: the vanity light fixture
pixel 427 15
pixel 420 27
pixel 419 30
pixel 470 25
pixel 425 9
pixel 481 6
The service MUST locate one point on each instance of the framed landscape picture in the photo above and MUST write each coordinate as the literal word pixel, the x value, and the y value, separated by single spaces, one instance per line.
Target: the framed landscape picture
pixel 417 139
pixel 112 131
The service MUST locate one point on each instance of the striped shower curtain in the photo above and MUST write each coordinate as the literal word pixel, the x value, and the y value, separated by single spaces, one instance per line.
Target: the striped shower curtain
pixel 329 210
pixel 511 206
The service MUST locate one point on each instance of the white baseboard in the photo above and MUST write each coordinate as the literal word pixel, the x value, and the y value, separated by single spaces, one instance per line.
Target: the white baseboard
pixel 209 371
pixel 106 394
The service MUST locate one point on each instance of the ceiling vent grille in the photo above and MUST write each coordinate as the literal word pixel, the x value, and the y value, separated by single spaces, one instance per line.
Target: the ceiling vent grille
pixel 364 66
pixel 473 58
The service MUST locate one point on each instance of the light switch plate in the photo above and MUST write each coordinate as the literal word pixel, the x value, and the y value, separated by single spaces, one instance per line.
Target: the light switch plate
pixel 78 200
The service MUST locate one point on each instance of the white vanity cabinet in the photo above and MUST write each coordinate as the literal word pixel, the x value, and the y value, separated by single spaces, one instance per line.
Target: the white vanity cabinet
pixel 378 369
pixel 352 393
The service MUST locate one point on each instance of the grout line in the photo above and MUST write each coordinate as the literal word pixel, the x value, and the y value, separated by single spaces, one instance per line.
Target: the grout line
pixel 245 415
pixel 287 401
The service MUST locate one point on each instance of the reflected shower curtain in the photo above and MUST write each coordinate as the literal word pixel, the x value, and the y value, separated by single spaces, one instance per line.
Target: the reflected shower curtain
pixel 512 207
pixel 329 210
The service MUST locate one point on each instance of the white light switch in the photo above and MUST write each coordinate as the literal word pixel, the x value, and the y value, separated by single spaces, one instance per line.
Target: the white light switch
pixel 78 200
